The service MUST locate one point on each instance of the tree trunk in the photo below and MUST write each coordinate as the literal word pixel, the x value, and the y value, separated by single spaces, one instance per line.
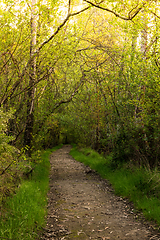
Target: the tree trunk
pixel 28 134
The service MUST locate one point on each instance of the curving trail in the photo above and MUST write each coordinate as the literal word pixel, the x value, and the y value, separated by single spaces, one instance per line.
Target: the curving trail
pixel 83 206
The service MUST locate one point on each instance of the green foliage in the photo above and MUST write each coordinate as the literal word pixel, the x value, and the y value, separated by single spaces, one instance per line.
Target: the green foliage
pixel 140 185
pixel 96 84
pixel 108 69
pixel 49 134
pixel 23 214
pixel 11 165
pixel 4 118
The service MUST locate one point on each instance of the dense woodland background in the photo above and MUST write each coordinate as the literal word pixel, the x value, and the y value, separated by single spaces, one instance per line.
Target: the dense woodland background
pixel 79 72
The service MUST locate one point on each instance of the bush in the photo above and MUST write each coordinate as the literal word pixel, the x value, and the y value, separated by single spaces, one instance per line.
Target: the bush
pixel 12 161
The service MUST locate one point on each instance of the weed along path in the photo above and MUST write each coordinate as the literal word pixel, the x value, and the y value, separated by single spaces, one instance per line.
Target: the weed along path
pixel 83 206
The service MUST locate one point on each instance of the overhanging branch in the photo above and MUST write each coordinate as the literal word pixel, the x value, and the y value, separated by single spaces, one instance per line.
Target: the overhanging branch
pixel 61 25
pixel 69 99
pixel 130 17
pixel 17 83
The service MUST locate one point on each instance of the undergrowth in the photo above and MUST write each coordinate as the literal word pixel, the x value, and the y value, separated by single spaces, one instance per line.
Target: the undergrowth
pixel 139 185
pixel 23 214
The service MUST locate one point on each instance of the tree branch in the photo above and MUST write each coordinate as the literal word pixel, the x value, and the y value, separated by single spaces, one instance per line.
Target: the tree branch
pixel 72 95
pixel 130 17
pixel 151 43
pixel 61 25
pixel 11 54
pixel 29 87
pixel 155 14
pixel 4 170
pixel 42 45
pixel 41 123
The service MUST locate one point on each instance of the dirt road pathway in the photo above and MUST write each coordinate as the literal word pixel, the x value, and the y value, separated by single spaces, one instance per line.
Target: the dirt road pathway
pixel 83 206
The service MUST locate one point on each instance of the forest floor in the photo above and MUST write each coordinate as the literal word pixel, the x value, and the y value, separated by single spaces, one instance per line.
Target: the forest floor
pixel 81 205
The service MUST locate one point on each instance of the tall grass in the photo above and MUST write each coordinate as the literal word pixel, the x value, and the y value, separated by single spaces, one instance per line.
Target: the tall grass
pixel 140 185
pixel 24 213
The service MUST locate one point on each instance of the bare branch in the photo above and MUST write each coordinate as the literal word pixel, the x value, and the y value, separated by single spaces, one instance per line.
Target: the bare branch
pixel 82 10
pixel 61 25
pixel 151 44
pixel 11 54
pixel 42 45
pixel 69 7
pixel 4 170
pixel 130 17
pixel 72 95
pixel 155 14
pixel 41 123
pixel 54 34
pixel 29 87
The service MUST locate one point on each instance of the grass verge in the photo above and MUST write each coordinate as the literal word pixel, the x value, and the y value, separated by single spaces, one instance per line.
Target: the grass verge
pixel 24 213
pixel 139 185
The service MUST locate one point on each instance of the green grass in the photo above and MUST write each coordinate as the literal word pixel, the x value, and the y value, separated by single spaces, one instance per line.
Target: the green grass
pixel 139 185
pixel 24 213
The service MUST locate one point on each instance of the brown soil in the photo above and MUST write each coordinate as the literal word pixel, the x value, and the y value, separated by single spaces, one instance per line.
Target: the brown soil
pixel 81 205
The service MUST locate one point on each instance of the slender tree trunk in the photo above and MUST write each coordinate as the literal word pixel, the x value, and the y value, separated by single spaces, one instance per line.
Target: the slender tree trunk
pixel 28 134
pixel 97 136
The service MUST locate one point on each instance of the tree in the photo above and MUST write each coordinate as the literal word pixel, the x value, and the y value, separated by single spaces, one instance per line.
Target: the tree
pixel 32 74
pixel 93 64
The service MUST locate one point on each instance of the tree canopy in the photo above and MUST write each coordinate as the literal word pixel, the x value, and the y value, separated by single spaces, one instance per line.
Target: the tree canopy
pixel 81 71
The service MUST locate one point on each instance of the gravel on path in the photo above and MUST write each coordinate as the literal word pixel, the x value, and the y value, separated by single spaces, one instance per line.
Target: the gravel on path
pixel 81 205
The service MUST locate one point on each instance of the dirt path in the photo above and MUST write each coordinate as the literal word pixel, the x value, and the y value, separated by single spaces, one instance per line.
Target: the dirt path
pixel 83 206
